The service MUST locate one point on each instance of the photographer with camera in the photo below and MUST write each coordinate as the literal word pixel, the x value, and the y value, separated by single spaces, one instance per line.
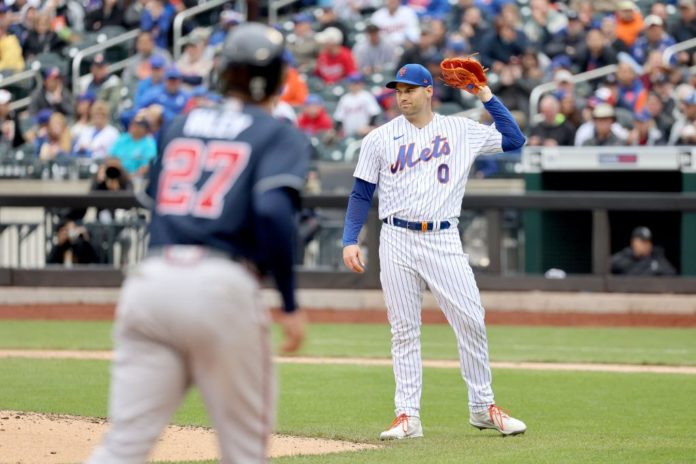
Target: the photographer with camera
pixel 72 245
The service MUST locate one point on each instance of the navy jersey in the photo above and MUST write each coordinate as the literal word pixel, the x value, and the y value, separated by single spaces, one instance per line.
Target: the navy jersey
pixel 211 163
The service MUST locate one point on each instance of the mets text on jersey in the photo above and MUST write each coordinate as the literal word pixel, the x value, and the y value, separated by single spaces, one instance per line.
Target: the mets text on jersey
pixel 439 148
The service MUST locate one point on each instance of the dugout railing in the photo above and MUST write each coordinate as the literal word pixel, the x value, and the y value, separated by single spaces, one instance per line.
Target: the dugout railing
pixel 494 207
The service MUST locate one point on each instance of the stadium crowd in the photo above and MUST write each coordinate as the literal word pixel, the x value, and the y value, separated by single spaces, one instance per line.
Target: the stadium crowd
pixel 340 53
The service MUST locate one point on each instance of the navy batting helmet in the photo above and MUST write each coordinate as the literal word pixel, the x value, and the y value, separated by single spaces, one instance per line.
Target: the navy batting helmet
pixel 251 62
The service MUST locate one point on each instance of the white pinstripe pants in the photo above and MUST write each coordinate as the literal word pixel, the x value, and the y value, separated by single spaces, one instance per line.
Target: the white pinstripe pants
pixel 409 261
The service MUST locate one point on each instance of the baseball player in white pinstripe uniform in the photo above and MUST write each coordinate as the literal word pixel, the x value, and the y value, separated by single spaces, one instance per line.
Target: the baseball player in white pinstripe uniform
pixel 420 162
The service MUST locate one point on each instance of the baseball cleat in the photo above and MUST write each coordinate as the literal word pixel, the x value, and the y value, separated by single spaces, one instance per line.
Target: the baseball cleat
pixel 403 427
pixel 497 419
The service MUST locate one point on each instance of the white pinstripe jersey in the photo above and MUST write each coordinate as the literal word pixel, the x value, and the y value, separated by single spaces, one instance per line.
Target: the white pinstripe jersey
pixel 421 173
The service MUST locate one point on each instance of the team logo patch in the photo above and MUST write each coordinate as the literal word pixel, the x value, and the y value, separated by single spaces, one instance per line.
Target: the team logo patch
pixel 402 71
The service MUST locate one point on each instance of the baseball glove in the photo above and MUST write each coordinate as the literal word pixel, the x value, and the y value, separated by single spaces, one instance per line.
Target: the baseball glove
pixel 464 73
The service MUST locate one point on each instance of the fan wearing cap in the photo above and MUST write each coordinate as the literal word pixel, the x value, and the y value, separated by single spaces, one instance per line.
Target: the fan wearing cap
pixel 156 79
pixel 313 118
pixel 644 132
pixel 373 52
pixel 399 23
pixel 170 95
pixel 686 119
pixel 102 83
pixel 303 43
pixel 553 129
pixel 420 162
pixel 195 61
pixel 629 22
pixel 603 116
pixel 557 40
pixel 641 258
pixel 53 94
pixel 10 129
pixel 357 110
pixel 145 47
pixel 653 38
pixel 335 62
pixel 228 20
pixel 136 148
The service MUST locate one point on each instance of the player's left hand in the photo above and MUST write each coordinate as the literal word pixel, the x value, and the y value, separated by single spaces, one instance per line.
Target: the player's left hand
pixel 294 329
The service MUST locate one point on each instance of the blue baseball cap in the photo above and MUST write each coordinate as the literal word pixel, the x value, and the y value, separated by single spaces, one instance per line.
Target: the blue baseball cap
pixel 412 74
pixel 313 99
pixel 355 77
pixel 157 61
pixel 172 72
pixel 43 116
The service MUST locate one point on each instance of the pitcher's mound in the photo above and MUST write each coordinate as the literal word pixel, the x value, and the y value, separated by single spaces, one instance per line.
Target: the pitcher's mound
pixel 31 438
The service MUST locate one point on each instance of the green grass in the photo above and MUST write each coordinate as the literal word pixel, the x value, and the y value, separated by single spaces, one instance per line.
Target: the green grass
pixel 572 417
pixel 506 343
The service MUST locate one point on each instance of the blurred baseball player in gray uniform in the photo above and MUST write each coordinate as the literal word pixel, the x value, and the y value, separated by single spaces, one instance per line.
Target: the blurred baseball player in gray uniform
pixel 420 162
pixel 226 189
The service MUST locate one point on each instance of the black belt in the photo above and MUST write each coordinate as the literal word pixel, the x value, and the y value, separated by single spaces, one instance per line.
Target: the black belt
pixel 423 226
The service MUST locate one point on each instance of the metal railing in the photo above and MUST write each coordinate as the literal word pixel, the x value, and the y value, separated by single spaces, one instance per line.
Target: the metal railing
pixel 19 77
pixel 599 204
pixel 178 24
pixel 672 50
pixel 540 90
pixel 275 7
pixel 94 49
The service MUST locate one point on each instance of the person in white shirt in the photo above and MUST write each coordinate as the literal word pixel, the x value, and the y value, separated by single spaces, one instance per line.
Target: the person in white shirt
pixel 96 140
pixel 373 52
pixel 399 23
pixel 357 110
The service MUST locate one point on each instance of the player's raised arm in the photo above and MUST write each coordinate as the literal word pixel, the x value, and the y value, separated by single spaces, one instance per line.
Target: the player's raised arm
pixel 513 138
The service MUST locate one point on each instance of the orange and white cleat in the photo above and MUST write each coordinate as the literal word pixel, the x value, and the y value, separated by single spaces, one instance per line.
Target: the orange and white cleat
pixel 498 419
pixel 403 427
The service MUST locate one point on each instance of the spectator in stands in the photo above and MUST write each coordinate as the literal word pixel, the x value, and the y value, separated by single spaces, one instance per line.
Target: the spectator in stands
pixel 632 93
pixel 314 120
pixel 53 94
pixel 155 118
pixel 104 13
pixel 608 28
pixel 335 62
pixel 303 42
pixel 145 48
pixel 586 14
pixel 41 39
pixel 429 8
pixel 373 53
pixel 642 258
pixel 572 112
pixel 532 72
pixel 569 41
pixel 685 27
pixel 295 90
pixel 398 23
pixel 664 118
pixel 595 52
pixel 157 17
pixel 357 110
pixel 96 141
pixel 424 49
pixel 603 116
pixel 10 51
pixel 83 109
pixel 543 24
pixel 57 142
pixel 473 28
pixel 170 96
pixel 38 133
pixel 136 148
pixel 352 10
pixel 644 132
pixel 67 17
pixel 102 83
pixel 195 61
pixel 683 128
pixel 629 22
pixel 10 130
pixel 228 19
pixel 653 38
pixel 511 89
pixel 502 45
pixel 131 19
pixel 327 18
pixel 72 245
pixel 553 129
pixel 24 24
pixel 156 79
